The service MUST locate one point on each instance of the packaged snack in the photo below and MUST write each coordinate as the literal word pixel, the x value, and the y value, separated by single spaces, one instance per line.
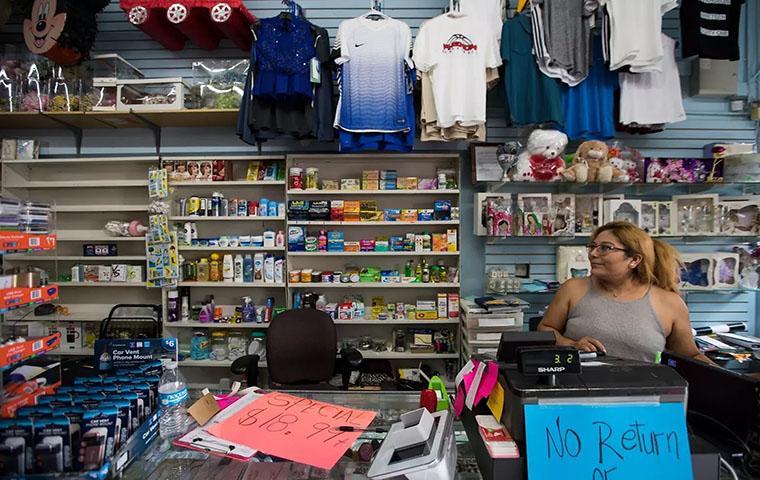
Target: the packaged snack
pixel 392 214
pixel 336 210
pixel 409 215
pixel 351 211
pixel 407 183
pixel 425 215
pixel 330 185
pixel 349 184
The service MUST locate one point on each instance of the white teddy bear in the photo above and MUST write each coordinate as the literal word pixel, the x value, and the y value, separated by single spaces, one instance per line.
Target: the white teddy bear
pixel 542 160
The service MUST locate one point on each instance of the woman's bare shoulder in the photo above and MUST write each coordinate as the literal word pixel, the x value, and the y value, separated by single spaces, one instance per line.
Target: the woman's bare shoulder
pixel 576 288
pixel 670 300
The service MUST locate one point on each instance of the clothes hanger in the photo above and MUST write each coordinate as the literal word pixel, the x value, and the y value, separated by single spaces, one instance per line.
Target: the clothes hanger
pixel 455 9
pixel 376 11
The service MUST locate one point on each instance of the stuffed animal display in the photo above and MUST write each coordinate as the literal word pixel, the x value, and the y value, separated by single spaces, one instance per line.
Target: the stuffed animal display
pixel 542 160
pixel 592 164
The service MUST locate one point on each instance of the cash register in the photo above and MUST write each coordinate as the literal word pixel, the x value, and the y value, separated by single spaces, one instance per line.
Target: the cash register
pixel 533 370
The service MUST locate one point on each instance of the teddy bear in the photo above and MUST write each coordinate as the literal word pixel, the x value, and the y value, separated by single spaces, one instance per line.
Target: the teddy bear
pixel 593 157
pixel 542 161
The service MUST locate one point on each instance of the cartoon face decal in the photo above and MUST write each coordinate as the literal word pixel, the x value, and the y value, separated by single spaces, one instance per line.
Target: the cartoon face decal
pixel 41 32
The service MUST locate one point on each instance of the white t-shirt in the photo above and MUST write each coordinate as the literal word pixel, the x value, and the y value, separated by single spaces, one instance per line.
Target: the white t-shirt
pixel 491 12
pixel 374 55
pixel 653 98
pixel 456 51
pixel 635 28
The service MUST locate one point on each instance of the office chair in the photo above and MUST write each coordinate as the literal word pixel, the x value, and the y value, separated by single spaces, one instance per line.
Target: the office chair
pixel 302 351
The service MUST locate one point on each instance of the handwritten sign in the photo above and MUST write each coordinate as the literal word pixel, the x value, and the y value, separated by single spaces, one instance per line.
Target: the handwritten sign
pixel 294 428
pixel 608 442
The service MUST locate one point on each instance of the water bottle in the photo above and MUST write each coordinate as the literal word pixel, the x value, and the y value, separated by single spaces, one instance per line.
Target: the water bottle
pixel 172 394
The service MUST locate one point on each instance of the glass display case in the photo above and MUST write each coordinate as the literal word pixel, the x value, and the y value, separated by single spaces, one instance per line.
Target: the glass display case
pixel 107 71
pixel 218 84
pixel 151 94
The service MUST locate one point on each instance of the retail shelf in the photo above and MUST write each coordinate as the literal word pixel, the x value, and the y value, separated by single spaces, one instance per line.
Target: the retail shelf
pixel 78 184
pixel 373 254
pixel 581 239
pixel 230 249
pixel 368 285
pixel 74 258
pixel 102 284
pixel 12 241
pixel 373 224
pixel 258 326
pixel 211 363
pixel 15 298
pixel 373 192
pixel 82 160
pixel 407 355
pixel 226 219
pixel 231 285
pixel 93 236
pixel 237 326
pixel 440 321
pixel 100 208
pixel 11 354
pixel 230 183
pixel 227 158
pixel 130 119
pixel 79 352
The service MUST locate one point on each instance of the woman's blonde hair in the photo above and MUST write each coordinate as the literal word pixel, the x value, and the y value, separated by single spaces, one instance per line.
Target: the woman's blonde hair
pixel 660 261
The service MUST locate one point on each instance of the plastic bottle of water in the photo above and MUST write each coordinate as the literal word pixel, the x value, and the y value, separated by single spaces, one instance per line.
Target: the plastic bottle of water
pixel 172 394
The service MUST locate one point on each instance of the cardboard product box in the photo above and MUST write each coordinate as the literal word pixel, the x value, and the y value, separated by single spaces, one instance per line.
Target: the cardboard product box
pixel 406 183
pixel 453 300
pixel 451 237
pixel 351 211
pixel 104 273
pixel 371 175
pixel 350 184
pixel 370 185
pixel 351 246
pixel 91 273
pixel 443 305
pixel 330 185
pixel 409 215
pixel 119 272
pixel 134 273
pixel 336 210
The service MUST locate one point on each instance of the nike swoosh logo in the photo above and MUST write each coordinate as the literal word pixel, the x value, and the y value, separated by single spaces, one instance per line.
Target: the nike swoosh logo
pixel 357 45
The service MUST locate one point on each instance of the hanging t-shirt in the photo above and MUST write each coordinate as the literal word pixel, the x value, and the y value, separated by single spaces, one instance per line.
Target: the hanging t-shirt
pixel 531 97
pixel 562 37
pixel 710 28
pixel 456 50
pixel 374 56
pixel 590 106
pixel 491 12
pixel 655 97
pixel 634 33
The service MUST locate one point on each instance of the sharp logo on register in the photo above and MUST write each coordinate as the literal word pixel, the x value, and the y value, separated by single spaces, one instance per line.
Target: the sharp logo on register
pixel 551 369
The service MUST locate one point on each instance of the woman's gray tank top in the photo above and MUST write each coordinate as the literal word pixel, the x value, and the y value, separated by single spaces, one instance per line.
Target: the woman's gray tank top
pixel 627 329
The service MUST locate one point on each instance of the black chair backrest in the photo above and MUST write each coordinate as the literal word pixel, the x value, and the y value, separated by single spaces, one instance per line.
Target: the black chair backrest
pixel 302 346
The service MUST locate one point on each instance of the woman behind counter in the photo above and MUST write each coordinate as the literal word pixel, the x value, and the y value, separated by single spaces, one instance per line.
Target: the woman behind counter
pixel 630 306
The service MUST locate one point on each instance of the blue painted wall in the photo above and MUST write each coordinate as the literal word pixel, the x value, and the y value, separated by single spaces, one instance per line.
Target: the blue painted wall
pixel 708 121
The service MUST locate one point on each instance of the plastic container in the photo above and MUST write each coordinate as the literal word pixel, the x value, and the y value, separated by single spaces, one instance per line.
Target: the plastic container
pixel 219 346
pixel 237 345
pixel 172 396
pixel 218 84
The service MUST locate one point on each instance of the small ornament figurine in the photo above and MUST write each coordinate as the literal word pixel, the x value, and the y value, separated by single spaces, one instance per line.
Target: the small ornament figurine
pixel 507 155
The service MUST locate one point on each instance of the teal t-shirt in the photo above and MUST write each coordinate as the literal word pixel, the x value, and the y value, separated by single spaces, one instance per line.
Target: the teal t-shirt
pixel 531 96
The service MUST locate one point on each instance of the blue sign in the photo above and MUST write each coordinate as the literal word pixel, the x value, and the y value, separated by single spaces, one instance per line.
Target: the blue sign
pixel 607 442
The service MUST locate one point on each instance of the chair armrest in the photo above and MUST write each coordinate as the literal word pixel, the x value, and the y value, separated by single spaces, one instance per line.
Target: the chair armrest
pixel 247 365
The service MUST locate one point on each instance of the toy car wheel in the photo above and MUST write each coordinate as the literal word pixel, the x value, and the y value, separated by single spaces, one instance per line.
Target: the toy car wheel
pixel 176 13
pixel 138 15
pixel 221 12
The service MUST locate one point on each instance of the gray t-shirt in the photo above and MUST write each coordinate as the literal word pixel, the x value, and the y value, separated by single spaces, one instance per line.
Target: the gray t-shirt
pixel 567 28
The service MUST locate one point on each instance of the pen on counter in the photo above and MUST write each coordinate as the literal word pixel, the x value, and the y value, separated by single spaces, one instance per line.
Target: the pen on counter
pixel 348 428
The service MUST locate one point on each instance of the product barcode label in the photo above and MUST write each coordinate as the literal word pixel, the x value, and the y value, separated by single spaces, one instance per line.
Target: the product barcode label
pixel 36 294
pixel 37 345
pixel 34 242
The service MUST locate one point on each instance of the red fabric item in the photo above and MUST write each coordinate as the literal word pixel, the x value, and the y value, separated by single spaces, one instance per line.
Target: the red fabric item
pixel 160 29
pixel 199 28
pixel 199 25
pixel 545 169
pixel 238 30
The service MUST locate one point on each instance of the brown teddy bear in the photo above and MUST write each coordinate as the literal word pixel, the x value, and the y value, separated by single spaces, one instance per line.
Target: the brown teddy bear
pixel 592 162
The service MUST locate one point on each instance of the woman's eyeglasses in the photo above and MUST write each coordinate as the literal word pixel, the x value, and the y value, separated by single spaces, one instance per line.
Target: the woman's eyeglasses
pixel 603 249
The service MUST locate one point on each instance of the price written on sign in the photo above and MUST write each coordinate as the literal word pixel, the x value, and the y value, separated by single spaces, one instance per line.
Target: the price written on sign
pixel 608 442
pixel 298 429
